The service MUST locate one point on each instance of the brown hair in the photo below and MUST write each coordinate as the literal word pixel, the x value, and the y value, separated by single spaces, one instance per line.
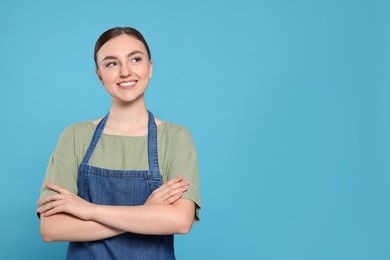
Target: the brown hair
pixel 115 32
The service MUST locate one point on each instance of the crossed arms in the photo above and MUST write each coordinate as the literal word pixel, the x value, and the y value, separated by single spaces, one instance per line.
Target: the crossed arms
pixel 70 218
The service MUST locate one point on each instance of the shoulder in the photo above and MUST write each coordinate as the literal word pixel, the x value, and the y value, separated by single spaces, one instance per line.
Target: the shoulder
pixel 77 131
pixel 175 134
pixel 173 129
pixel 75 138
pixel 80 128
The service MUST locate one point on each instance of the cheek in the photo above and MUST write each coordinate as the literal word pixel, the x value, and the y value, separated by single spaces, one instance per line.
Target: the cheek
pixel 146 73
pixel 107 77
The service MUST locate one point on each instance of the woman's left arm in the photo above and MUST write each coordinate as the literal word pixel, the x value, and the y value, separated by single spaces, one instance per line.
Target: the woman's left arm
pixel 176 218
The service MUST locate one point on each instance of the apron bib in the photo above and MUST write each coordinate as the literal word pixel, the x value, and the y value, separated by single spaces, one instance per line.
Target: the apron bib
pixel 124 188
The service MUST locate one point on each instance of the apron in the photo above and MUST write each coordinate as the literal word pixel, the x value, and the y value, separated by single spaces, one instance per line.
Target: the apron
pixel 125 188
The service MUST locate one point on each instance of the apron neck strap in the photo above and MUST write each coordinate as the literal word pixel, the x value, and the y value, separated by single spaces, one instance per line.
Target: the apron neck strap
pixel 152 141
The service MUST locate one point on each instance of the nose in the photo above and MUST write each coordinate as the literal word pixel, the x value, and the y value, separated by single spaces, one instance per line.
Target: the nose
pixel 125 71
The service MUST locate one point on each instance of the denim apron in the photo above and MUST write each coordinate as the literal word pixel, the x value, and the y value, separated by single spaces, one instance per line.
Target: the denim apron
pixel 125 188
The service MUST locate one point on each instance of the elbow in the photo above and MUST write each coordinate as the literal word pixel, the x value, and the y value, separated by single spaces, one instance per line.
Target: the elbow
pixel 46 231
pixel 184 217
pixel 184 230
pixel 46 236
pixel 185 227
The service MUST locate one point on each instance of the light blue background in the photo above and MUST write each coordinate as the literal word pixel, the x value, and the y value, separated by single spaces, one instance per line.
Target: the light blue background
pixel 288 103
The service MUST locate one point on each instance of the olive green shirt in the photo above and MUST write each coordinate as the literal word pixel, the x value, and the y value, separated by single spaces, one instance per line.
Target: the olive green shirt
pixel 176 156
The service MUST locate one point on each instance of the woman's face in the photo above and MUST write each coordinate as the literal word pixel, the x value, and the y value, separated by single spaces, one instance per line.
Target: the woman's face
pixel 124 68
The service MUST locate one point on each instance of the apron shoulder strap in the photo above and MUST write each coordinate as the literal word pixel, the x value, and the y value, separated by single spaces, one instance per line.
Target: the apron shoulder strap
pixel 96 136
pixel 152 144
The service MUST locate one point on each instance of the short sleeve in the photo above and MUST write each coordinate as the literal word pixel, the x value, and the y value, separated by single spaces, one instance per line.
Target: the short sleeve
pixel 184 162
pixel 62 166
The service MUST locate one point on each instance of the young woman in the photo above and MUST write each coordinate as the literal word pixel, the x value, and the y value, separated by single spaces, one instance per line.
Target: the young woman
pixel 103 190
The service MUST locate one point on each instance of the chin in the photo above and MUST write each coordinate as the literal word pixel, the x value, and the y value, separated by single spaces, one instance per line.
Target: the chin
pixel 128 99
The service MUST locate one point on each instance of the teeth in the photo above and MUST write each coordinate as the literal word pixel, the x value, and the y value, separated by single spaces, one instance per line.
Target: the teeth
pixel 127 84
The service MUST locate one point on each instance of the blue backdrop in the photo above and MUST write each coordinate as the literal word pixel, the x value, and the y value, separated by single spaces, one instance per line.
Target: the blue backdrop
pixel 288 103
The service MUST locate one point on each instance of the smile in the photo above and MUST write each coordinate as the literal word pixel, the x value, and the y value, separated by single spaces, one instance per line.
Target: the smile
pixel 127 84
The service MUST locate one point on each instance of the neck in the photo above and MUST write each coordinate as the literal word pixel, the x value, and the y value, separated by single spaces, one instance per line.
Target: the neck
pixel 128 118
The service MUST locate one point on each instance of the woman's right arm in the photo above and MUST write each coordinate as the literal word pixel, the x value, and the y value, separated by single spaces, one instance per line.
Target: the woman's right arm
pixel 65 227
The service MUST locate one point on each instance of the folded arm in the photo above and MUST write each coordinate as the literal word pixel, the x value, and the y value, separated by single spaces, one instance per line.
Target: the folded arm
pixel 148 219
pixel 70 218
pixel 65 227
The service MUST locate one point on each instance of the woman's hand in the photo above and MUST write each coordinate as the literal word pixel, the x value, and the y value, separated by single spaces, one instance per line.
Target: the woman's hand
pixel 169 192
pixel 65 202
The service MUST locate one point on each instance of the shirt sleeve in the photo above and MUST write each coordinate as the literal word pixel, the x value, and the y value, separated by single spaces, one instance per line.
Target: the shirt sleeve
pixel 62 166
pixel 184 162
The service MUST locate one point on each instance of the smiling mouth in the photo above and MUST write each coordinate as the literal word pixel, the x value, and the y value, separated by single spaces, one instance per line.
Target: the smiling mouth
pixel 127 84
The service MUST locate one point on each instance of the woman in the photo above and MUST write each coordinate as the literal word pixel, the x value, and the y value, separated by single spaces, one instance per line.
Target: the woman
pixel 121 210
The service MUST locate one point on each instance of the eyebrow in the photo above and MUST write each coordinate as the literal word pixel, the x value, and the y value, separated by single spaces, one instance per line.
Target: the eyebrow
pixel 115 57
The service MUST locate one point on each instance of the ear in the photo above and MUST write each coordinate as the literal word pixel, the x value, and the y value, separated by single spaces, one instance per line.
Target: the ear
pixel 150 68
pixel 99 76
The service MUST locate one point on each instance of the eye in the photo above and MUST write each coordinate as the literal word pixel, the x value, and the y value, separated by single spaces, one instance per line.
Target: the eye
pixel 110 64
pixel 136 59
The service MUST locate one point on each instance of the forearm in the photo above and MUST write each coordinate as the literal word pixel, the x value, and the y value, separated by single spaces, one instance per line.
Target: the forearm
pixel 64 227
pixel 148 219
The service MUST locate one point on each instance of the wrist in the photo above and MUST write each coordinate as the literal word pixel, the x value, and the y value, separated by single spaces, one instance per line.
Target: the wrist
pixel 94 211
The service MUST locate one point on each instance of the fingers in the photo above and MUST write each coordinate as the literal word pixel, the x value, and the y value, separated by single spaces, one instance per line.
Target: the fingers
pixel 168 186
pixel 55 200
pixel 174 198
pixel 177 179
pixel 56 205
pixel 52 208
pixel 49 198
pixel 174 180
pixel 175 183
pixel 54 197
pixel 171 189
pixel 56 188
pixel 50 213
pixel 173 193
pixel 170 192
